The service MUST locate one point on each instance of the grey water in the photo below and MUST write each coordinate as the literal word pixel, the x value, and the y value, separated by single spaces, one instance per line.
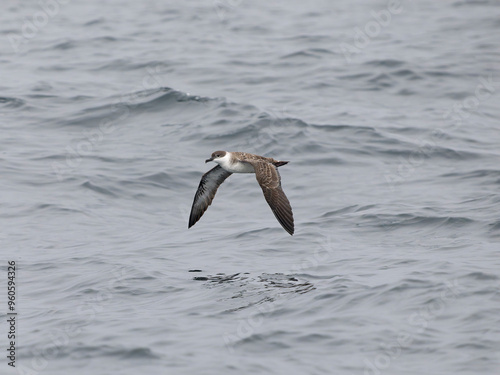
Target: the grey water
pixel 389 115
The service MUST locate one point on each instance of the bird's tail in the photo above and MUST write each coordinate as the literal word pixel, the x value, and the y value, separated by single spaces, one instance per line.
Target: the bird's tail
pixel 280 163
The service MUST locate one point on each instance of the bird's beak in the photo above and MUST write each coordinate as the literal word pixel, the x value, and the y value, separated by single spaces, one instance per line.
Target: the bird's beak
pixel 206 161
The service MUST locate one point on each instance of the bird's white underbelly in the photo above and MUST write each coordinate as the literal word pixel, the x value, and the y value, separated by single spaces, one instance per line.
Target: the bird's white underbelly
pixel 238 167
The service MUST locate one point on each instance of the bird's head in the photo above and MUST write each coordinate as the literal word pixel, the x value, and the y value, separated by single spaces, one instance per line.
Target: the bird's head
pixel 216 156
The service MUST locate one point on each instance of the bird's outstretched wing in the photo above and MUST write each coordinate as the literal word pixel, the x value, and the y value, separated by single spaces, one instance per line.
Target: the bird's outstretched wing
pixel 205 194
pixel 270 181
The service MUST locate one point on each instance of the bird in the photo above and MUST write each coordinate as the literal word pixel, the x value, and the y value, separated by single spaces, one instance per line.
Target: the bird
pixel 266 173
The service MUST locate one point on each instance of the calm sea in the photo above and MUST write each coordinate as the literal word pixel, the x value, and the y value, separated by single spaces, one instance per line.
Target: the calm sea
pixel 389 115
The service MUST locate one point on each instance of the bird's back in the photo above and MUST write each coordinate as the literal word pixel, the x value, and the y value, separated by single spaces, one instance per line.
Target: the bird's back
pixel 245 156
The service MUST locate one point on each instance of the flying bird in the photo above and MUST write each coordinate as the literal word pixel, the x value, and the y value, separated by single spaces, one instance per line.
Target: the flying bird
pixel 266 172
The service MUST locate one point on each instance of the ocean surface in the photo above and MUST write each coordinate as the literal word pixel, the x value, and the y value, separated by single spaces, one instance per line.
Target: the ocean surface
pixel 389 113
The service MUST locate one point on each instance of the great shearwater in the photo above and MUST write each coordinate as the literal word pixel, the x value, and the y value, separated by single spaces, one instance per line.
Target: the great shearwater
pixel 266 172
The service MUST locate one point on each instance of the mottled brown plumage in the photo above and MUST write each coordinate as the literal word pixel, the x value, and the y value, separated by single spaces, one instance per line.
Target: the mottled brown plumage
pixel 268 177
pixel 269 180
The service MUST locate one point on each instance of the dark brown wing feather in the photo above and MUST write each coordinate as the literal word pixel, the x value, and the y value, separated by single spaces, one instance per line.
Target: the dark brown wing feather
pixel 270 181
pixel 205 194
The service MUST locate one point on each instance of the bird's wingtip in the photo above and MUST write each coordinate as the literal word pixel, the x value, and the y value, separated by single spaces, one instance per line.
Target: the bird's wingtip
pixel 281 163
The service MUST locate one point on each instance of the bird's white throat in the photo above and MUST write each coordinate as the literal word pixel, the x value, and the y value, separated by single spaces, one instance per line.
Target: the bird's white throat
pixel 234 166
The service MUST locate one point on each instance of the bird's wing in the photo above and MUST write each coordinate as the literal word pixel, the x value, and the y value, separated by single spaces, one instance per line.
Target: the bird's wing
pixel 269 180
pixel 205 194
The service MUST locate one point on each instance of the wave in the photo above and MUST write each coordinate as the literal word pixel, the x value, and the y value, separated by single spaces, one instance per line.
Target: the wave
pixel 11 103
pixel 390 221
pixel 98 189
pixel 120 107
